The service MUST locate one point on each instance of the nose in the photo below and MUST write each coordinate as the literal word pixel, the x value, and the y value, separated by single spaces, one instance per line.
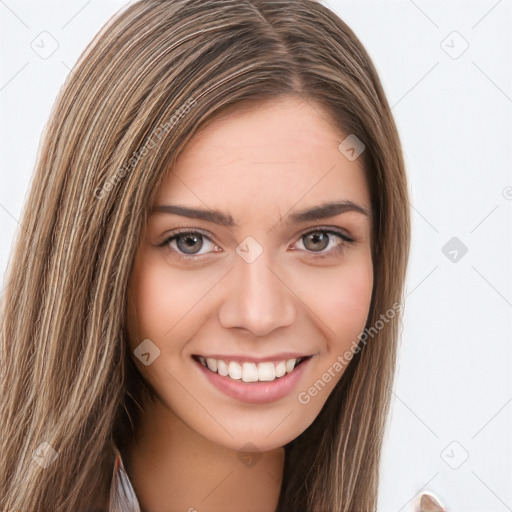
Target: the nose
pixel 256 298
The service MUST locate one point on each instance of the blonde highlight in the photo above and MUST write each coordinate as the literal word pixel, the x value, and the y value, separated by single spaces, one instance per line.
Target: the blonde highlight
pixel 66 375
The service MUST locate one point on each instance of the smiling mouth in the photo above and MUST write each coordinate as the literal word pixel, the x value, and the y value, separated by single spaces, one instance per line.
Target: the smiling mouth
pixel 248 371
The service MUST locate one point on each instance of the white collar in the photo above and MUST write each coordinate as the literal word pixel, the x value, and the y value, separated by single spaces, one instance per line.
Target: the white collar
pixel 122 495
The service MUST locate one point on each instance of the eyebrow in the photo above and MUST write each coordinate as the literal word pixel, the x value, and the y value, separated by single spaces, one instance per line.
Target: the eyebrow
pixel 323 211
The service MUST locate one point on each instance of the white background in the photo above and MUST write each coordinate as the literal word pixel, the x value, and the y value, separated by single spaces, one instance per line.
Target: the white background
pixel 453 391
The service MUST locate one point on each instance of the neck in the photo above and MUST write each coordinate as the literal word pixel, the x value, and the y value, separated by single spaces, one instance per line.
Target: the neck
pixel 174 469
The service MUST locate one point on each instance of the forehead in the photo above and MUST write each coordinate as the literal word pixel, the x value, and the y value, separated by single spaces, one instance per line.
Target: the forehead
pixel 265 159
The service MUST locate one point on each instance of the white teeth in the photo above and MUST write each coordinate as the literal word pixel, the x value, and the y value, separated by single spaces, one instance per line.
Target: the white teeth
pixel 249 371
pixel 212 363
pixel 280 369
pixel 234 370
pixel 290 365
pixel 222 368
pixel 266 371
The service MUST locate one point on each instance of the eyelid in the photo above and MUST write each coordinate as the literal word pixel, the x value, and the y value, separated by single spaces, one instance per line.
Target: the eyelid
pixel 326 229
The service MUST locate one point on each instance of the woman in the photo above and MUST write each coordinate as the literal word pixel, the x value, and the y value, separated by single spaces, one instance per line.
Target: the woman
pixel 206 164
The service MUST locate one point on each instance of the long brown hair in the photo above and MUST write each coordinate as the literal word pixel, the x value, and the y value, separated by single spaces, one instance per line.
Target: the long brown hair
pixel 155 73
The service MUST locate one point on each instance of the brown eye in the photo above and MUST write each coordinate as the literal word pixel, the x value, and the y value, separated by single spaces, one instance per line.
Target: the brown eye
pixel 324 243
pixel 316 241
pixel 189 243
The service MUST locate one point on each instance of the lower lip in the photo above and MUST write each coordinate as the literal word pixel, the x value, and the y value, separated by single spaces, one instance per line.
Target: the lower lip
pixel 256 392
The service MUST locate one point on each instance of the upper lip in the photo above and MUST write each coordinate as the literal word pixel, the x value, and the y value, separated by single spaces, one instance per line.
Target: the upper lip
pixel 283 356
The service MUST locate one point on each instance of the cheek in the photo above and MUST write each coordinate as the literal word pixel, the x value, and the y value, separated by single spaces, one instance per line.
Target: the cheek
pixel 351 299
pixel 162 297
pixel 343 309
pixel 344 297
pixel 162 303
pixel 150 302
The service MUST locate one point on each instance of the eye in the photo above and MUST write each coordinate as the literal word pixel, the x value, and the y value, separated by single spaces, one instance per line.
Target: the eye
pixel 324 242
pixel 320 243
pixel 187 244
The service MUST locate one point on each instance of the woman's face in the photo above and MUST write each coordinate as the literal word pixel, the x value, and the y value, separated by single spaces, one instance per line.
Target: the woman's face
pixel 260 278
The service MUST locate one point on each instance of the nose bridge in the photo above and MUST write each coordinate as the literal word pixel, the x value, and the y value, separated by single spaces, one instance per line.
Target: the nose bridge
pixel 256 298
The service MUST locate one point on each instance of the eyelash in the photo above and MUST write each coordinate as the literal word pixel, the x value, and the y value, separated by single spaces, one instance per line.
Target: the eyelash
pixel 339 248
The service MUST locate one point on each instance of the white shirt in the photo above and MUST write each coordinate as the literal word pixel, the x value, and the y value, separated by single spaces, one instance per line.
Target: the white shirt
pixel 122 495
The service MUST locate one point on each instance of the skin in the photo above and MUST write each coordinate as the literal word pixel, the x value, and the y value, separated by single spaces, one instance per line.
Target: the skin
pixel 259 165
